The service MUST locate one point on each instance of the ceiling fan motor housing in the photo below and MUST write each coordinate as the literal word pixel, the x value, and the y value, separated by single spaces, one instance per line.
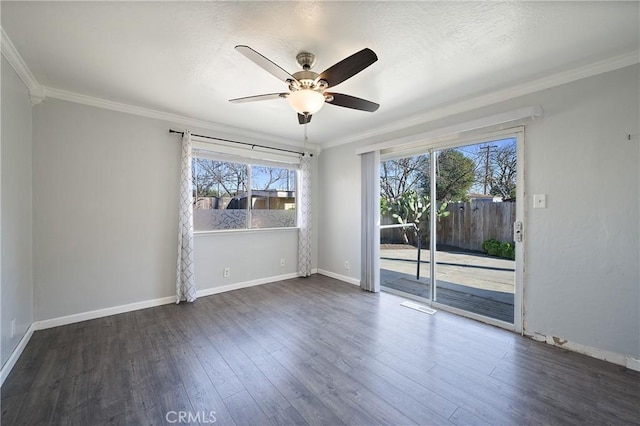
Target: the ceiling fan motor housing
pixel 307 79
pixel 306 60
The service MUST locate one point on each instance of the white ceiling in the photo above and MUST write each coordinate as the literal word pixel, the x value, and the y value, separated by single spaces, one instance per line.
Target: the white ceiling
pixel 179 57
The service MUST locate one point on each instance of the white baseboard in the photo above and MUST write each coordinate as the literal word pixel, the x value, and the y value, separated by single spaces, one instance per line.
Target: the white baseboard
pixel 633 363
pixel 245 284
pixel 15 355
pixel 100 313
pixel 602 354
pixel 339 277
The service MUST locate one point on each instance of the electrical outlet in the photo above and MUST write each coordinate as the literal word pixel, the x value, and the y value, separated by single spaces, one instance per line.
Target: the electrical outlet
pixel 226 272
pixel 346 265
pixel 282 262
pixel 13 327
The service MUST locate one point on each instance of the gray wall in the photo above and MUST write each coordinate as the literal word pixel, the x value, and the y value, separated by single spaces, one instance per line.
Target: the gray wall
pixel 16 201
pixel 339 211
pixel 105 195
pixel 105 220
pixel 582 251
pixel 582 280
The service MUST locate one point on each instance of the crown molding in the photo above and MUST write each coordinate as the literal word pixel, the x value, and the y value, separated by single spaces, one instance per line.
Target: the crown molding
pixel 37 95
pixel 251 136
pixel 590 70
pixel 9 51
pixel 513 116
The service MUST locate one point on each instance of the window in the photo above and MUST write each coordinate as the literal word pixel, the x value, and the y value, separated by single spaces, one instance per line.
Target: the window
pixel 273 197
pixel 233 195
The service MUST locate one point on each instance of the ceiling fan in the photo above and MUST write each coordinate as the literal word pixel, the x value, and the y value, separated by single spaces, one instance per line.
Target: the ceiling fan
pixel 307 89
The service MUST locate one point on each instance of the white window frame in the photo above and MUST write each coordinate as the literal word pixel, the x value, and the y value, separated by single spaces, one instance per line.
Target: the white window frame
pixel 250 158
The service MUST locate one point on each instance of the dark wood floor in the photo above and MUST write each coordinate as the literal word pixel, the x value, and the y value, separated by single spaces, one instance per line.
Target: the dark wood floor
pixel 307 351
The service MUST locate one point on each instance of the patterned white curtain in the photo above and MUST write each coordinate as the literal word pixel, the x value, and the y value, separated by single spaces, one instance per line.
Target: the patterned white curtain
pixel 370 232
pixel 304 217
pixel 185 282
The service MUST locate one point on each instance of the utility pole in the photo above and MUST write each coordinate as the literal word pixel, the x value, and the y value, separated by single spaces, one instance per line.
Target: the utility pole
pixel 486 164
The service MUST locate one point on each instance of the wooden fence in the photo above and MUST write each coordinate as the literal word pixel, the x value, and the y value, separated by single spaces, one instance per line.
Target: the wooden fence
pixel 467 226
pixel 470 224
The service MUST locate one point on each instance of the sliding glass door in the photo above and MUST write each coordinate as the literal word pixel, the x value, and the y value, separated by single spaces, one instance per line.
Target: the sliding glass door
pixel 450 213
pixel 476 198
pixel 404 230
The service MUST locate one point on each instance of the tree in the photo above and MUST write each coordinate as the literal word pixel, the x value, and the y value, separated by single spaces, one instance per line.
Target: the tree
pixel 503 165
pixel 217 178
pixel 399 198
pixel 397 177
pixel 265 178
pixel 456 175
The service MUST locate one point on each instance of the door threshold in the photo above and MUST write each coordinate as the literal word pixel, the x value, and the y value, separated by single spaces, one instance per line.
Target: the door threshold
pixel 460 312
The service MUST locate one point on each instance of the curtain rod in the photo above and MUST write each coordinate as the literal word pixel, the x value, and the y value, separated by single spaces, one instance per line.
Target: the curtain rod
pixel 252 145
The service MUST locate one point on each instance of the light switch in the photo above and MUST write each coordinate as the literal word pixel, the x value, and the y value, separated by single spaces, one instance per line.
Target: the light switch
pixel 539 201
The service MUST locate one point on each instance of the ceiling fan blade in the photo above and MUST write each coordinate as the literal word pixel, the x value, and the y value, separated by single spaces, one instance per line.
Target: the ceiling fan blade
pixel 352 102
pixel 348 67
pixel 303 119
pixel 259 98
pixel 265 63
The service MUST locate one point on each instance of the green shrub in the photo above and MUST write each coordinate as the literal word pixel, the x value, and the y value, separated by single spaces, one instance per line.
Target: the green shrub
pixel 494 247
pixel 491 247
pixel 507 251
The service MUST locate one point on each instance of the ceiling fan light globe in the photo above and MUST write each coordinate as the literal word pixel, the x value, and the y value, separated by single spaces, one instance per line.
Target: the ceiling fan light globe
pixel 306 101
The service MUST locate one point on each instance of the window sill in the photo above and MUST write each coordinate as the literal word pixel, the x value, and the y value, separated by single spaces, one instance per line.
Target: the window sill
pixel 244 231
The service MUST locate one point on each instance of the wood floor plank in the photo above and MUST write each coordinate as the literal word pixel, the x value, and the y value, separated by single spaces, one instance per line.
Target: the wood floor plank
pixel 175 400
pixel 463 397
pixel 306 405
pixel 307 351
pixel 83 357
pixel 463 417
pixel 288 417
pixel 198 387
pixel 309 406
pixel 619 410
pixel 245 410
pixel 523 408
pixel 73 405
pixel 24 372
pixel 389 391
pixel 577 405
pixel 324 388
pixel 344 385
pixel 215 366
pixel 11 408
pixel 53 368
pixel 39 406
pixel 128 336
pixel 259 387
pixel 405 386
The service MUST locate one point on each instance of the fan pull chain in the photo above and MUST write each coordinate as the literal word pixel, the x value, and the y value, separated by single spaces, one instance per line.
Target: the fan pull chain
pixel 306 139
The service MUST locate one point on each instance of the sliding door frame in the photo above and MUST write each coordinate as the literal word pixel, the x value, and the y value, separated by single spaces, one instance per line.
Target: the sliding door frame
pixel 477 138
